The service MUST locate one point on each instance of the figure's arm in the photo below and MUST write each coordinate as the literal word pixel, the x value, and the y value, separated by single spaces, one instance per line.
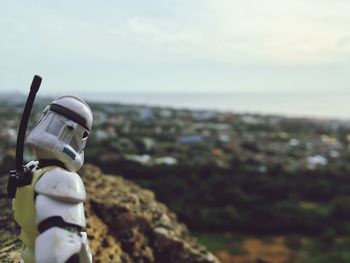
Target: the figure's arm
pixel 60 219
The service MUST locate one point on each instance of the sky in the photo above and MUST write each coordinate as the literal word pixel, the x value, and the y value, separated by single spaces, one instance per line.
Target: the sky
pixel 114 46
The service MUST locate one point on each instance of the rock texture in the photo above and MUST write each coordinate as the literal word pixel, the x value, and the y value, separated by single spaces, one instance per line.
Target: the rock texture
pixel 9 244
pixel 124 223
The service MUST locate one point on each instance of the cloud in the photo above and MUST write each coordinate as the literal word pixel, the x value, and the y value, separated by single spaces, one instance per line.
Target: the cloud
pixel 221 31
pixel 280 31
pixel 246 32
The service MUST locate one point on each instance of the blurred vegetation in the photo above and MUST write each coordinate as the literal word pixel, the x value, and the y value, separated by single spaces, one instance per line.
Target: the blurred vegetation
pixel 211 198
pixel 228 242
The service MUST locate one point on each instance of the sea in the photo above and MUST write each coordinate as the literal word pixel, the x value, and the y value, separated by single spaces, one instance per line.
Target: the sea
pixel 313 105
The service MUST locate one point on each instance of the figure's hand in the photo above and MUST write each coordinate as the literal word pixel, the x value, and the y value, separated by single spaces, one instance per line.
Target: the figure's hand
pixel 57 245
pixel 85 252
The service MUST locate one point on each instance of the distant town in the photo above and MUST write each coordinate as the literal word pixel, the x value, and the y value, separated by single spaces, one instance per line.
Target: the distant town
pixel 165 136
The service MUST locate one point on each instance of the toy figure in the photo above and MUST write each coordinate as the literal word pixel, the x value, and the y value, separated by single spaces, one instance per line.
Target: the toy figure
pixel 49 207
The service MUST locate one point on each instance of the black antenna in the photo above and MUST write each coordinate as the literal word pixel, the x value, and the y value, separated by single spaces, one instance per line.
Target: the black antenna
pixel 20 176
pixel 24 122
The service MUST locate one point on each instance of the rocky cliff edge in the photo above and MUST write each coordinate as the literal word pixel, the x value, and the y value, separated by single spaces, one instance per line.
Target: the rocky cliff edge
pixel 124 224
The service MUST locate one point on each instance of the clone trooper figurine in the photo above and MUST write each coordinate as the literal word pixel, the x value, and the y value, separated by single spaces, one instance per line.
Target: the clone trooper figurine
pixel 50 210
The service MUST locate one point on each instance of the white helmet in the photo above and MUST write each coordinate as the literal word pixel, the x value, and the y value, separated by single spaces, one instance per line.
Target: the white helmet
pixel 62 131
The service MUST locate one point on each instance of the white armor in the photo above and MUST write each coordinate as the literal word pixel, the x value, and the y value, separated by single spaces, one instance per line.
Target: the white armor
pixel 60 135
pixel 60 195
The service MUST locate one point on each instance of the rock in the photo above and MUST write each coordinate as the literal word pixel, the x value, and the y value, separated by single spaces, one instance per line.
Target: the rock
pixel 9 243
pixel 124 224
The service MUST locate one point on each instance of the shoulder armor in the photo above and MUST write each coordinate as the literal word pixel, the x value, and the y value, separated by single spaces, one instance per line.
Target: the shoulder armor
pixel 61 185
pixel 71 213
